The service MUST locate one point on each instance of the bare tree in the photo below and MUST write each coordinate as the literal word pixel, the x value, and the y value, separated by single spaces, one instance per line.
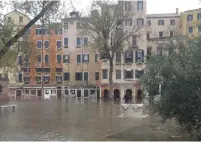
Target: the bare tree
pixel 111 29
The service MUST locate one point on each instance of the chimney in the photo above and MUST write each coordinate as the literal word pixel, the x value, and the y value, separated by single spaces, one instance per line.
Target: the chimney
pixel 177 10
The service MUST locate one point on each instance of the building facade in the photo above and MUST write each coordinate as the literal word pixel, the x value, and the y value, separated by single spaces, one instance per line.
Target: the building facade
pixel 161 27
pixel 81 67
pixel 191 23
pixel 129 65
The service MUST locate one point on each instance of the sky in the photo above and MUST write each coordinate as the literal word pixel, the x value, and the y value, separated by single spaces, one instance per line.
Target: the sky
pixel 155 6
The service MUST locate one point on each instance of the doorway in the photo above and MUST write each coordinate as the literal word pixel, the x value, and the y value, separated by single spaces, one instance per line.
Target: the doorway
pixel 106 94
pixel 116 95
pixel 139 96
pixel 59 92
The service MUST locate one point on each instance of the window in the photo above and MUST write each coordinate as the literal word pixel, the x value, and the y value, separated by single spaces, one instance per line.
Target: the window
pixel 148 22
pixel 118 74
pixel 139 56
pixel 20 19
pixel 47 70
pixel 140 22
pixel 27 70
pixel 139 5
pixel 42 31
pixel 149 51
pixel 190 30
pixel 78 25
pixel 19 77
pixel 159 51
pixel 199 16
pixel 20 60
pixel 46 44
pixel 39 44
pixel 129 56
pixel 66 76
pixel 105 74
pixel 199 29
pixel 39 58
pixel 96 58
pixel 28 32
pixel 65 26
pixel 172 22
pixel 160 34
pixel 78 58
pixel 59 44
pixel 58 69
pixel 127 6
pixel 78 41
pixel 128 74
pixel 46 78
pixel 26 58
pixel 189 18
pixel 161 22
pixel 58 78
pixel 38 78
pixel 134 40
pixel 85 25
pixel 148 35
pixel 138 73
pixel 86 76
pixel 96 75
pixel 39 70
pixel 65 41
pixel 171 33
pixel 85 41
pixel 85 58
pixel 9 19
pixel 66 58
pixel 78 76
pixel 58 58
pixel 27 79
pixel 46 58
pixel 118 57
pixel 128 22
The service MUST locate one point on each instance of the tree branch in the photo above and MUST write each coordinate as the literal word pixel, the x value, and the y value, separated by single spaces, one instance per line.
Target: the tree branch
pixel 14 39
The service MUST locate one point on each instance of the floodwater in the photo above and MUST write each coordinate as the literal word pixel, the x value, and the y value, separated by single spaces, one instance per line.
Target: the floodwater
pixel 70 119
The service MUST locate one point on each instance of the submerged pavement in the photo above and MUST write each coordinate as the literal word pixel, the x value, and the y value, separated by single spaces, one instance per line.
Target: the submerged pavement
pixel 84 119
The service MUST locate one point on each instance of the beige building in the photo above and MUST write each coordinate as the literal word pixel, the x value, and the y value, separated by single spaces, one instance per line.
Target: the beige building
pixel 18 20
pixel 129 65
pixel 159 28
pixel 81 64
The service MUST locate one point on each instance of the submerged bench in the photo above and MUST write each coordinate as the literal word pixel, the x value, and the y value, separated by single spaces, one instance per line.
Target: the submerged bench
pixel 7 106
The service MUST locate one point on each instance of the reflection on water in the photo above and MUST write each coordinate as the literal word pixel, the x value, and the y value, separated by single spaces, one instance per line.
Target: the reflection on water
pixel 77 119
pixel 70 119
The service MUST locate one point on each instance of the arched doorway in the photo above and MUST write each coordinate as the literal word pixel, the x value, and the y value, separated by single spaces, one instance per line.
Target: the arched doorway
pixel 129 91
pixel 139 96
pixel 116 95
pixel 106 94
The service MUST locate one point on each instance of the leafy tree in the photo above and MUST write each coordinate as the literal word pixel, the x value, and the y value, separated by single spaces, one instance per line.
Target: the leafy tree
pixel 179 74
pixel 107 32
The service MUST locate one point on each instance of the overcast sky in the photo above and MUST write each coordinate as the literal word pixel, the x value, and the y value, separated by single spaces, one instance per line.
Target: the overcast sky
pixel 154 6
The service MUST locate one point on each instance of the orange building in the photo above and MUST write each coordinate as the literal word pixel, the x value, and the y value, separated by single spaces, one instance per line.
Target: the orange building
pixel 46 58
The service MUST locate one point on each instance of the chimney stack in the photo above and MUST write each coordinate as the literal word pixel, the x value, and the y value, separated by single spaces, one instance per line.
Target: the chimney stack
pixel 177 10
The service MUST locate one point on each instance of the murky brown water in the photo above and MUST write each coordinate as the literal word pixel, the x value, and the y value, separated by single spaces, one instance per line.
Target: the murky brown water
pixel 66 120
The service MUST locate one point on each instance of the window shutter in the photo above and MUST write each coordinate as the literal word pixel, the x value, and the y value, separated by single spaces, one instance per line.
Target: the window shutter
pixel 125 76
pixel 143 55
pixel 68 58
pixel 136 54
pixel 132 71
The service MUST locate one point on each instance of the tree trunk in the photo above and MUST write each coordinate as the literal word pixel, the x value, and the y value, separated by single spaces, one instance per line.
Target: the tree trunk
pixel 110 77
